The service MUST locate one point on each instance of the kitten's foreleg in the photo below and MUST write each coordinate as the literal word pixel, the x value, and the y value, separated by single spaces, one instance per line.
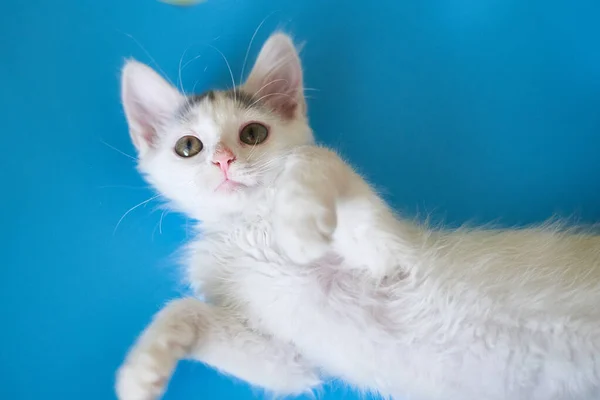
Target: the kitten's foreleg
pixel 188 328
pixel 305 215
pixel 323 205
pixel 370 237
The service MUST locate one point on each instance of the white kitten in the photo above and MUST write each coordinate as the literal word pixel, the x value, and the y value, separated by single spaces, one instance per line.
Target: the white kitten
pixel 308 272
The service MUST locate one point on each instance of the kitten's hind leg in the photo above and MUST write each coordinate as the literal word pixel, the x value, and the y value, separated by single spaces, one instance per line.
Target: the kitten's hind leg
pixel 188 328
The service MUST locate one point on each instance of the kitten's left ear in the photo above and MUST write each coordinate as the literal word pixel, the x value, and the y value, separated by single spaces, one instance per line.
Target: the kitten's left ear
pixel 149 101
pixel 276 78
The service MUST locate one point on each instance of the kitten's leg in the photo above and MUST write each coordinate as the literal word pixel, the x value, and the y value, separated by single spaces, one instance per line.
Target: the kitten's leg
pixel 305 215
pixel 188 328
pixel 322 205
pixel 370 237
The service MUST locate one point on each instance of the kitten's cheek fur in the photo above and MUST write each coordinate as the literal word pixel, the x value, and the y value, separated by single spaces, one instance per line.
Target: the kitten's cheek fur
pixel 304 229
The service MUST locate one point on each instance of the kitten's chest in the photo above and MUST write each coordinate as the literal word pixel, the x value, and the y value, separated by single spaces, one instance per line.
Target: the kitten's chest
pixel 220 259
pixel 334 317
pixel 244 270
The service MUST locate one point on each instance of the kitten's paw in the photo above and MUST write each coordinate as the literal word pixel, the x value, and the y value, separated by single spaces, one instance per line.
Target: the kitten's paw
pixel 149 365
pixel 290 375
pixel 303 381
pixel 304 232
pixel 144 377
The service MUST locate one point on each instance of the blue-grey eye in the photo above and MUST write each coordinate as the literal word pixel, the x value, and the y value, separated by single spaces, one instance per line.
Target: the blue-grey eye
pixel 188 146
pixel 254 133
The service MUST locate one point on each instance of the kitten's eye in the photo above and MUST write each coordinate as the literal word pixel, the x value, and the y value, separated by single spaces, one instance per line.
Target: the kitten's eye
pixel 188 146
pixel 254 133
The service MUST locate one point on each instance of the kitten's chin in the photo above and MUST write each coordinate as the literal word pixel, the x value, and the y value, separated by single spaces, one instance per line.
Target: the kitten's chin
pixel 229 200
pixel 229 186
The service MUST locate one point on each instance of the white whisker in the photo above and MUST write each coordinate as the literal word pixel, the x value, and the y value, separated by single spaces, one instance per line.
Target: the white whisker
pixel 194 87
pixel 122 187
pixel 251 151
pixel 230 71
pixel 118 151
pixel 161 220
pixel 179 70
pixel 187 100
pixel 267 95
pixel 191 61
pixel 133 208
pixel 267 84
pixel 250 45
pixel 149 56
pixel 261 166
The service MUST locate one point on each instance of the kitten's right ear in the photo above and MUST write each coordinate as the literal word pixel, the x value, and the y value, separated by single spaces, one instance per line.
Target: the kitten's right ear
pixel 276 78
pixel 149 101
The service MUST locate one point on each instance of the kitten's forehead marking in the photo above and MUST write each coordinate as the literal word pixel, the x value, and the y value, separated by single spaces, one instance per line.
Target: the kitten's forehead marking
pixel 209 95
pixel 242 99
pixel 192 101
pixel 196 99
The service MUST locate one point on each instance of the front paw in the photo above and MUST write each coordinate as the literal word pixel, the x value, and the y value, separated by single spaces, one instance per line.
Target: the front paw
pixel 304 231
pixel 149 365
pixel 144 375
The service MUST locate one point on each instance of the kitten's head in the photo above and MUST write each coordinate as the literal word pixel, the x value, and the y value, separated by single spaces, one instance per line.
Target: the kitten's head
pixel 210 153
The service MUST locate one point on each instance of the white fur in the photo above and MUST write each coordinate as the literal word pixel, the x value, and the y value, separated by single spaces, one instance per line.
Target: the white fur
pixel 308 273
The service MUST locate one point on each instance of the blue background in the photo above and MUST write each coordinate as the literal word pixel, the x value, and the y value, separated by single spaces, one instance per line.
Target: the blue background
pixel 468 110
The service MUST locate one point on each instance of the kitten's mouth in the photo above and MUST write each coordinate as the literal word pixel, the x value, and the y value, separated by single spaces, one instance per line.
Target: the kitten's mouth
pixel 229 186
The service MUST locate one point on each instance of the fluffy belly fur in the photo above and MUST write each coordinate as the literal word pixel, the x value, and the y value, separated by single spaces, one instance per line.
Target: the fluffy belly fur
pixel 456 330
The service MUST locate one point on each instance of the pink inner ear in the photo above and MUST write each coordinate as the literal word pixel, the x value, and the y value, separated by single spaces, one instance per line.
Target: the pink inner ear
pixel 144 131
pixel 276 78
pixel 288 108
pixel 148 134
pixel 281 94
pixel 149 101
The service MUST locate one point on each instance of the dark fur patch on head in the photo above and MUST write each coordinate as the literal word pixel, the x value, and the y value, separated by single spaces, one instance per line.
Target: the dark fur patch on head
pixel 197 98
pixel 244 99
pixel 194 99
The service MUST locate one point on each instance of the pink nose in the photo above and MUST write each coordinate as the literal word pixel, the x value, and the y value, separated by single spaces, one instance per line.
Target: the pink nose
pixel 223 158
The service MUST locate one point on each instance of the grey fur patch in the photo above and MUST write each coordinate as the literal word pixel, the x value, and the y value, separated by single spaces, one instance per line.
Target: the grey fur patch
pixel 244 99
pixel 194 99
pixel 197 98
